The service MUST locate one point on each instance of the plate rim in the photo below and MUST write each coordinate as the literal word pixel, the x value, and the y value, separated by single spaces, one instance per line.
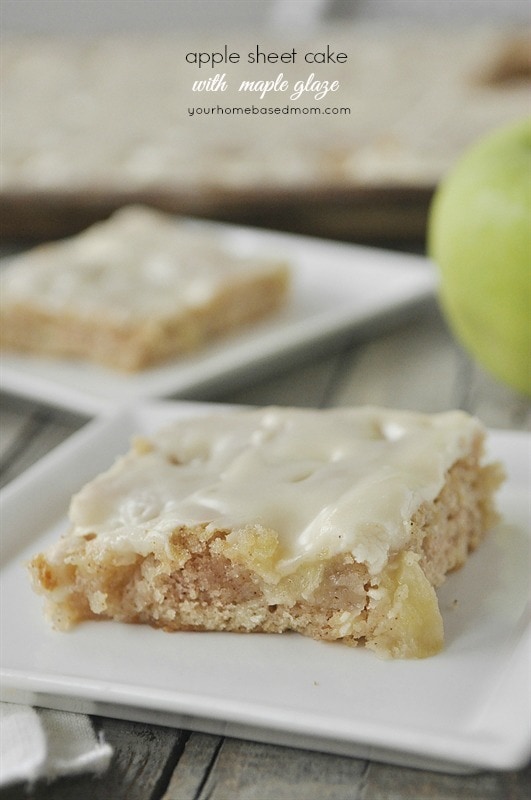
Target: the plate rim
pixel 486 747
pixel 264 345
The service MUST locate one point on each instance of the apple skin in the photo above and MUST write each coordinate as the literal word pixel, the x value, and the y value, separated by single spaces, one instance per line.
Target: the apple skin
pixel 479 236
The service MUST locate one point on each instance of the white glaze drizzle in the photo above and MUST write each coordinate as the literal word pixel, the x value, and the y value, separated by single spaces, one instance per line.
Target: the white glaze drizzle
pixel 140 263
pixel 342 480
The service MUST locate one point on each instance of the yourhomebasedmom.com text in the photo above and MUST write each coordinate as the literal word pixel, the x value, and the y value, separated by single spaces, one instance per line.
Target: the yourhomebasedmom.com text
pixel 266 110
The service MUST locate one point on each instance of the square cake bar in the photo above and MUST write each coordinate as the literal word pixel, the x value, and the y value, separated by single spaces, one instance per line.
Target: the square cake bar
pixel 135 290
pixel 338 524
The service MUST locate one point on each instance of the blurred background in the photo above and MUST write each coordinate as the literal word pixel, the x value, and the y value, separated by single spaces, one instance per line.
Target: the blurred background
pixel 96 99
pixel 98 16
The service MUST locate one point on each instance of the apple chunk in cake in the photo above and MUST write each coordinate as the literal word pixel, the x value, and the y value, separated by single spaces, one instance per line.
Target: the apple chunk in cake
pixel 338 524
pixel 134 290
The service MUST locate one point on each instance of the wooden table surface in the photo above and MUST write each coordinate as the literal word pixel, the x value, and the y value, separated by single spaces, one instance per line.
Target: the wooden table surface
pixel 416 366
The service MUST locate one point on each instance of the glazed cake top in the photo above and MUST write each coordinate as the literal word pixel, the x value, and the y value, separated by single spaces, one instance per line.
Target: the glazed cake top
pixel 332 481
pixel 139 263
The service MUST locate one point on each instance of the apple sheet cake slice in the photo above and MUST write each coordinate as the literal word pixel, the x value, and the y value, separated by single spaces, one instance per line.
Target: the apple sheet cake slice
pixel 338 524
pixel 134 291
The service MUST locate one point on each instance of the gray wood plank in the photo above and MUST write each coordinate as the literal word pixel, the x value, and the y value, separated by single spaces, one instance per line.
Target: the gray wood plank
pixel 34 434
pixel 144 756
pixel 307 385
pixel 415 367
pixel 254 771
pixel 400 783
pixel 13 422
pixel 193 768
pixel 212 768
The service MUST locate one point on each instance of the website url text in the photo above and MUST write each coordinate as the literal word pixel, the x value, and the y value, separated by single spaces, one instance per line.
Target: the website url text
pixel 266 110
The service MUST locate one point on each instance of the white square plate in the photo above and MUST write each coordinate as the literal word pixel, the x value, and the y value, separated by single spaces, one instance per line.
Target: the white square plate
pixel 340 291
pixel 468 707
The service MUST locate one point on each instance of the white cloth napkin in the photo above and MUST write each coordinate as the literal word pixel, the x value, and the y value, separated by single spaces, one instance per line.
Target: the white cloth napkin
pixel 41 743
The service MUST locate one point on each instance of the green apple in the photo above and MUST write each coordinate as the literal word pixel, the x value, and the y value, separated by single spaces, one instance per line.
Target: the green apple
pixel 479 235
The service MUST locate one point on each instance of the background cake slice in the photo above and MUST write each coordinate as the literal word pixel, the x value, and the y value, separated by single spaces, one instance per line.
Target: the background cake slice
pixel 92 123
pixel 338 524
pixel 133 291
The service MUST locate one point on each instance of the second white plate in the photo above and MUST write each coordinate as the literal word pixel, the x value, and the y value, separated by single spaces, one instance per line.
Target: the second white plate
pixel 339 291
pixel 467 707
